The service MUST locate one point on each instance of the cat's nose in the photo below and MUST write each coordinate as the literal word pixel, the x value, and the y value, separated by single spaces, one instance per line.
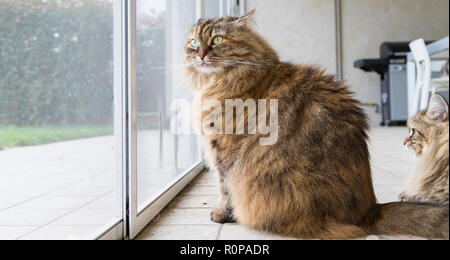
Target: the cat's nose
pixel 201 54
pixel 406 141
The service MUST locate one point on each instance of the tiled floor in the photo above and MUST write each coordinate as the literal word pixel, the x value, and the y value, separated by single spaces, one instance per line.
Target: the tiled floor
pixel 187 218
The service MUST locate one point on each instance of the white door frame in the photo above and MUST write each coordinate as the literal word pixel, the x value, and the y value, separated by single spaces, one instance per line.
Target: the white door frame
pixel 125 128
pixel 138 220
pixel 117 229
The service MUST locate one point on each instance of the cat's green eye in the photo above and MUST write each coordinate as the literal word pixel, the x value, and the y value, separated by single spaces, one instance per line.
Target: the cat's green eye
pixel 414 131
pixel 217 40
pixel 195 44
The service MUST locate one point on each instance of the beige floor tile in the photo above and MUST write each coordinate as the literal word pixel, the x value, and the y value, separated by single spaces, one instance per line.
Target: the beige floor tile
pixel 384 178
pixel 206 178
pixel 387 197
pixel 377 157
pixel 400 169
pixel 201 191
pixel 239 232
pixel 383 237
pixel 177 232
pixel 185 217
pixel 186 202
pixel 389 188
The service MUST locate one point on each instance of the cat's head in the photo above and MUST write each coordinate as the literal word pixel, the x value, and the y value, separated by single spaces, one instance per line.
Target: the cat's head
pixel 427 125
pixel 223 44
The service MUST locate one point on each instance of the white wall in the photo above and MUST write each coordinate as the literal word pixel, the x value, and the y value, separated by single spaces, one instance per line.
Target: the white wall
pixel 303 31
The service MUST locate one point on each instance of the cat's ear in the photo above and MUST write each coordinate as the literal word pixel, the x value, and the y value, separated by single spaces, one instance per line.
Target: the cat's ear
pixel 438 110
pixel 244 20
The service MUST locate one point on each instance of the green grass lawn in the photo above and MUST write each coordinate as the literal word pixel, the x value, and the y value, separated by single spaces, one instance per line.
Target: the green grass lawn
pixel 12 136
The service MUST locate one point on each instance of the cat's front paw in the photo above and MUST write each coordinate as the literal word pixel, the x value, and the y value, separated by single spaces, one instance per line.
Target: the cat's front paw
pixel 222 216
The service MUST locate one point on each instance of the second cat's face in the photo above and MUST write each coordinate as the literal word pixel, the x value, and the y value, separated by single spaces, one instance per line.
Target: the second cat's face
pixel 419 133
pixel 426 126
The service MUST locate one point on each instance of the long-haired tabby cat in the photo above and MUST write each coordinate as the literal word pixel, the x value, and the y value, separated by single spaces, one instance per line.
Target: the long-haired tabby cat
pixel 315 182
pixel 429 139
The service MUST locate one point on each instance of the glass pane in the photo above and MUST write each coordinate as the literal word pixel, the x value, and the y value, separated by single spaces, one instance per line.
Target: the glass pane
pixel 162 155
pixel 56 119
pixel 212 8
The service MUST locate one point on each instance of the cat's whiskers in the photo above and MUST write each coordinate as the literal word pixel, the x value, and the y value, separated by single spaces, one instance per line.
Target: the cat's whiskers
pixel 237 62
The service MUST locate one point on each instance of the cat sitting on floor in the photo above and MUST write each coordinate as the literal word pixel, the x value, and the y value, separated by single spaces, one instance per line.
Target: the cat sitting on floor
pixel 429 139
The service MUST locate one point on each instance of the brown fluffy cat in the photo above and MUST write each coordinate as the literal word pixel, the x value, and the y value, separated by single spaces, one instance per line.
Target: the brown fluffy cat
pixel 315 182
pixel 429 134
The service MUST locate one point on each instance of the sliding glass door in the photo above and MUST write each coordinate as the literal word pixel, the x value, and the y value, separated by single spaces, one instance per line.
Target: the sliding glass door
pixel 162 161
pixel 162 155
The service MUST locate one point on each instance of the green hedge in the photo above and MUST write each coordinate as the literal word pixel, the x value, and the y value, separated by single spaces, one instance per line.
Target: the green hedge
pixel 56 62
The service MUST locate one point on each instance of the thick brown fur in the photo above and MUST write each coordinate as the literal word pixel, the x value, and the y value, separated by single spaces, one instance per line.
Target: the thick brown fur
pixel 315 182
pixel 429 139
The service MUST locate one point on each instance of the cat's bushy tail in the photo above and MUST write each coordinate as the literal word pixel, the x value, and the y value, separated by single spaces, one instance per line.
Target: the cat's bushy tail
pixel 414 219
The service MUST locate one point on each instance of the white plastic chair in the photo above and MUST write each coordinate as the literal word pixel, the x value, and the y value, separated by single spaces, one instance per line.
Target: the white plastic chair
pixel 423 72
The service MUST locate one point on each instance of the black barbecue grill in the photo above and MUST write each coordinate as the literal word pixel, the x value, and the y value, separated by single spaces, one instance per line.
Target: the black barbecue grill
pixel 391 66
pixel 390 53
